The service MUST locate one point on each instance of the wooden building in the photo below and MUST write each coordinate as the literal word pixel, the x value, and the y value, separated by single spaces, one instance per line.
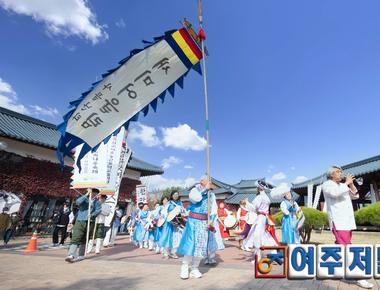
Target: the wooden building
pixel 29 168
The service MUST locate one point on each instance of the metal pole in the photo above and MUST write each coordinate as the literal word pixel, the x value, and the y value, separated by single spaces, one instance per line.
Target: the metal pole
pixel 200 15
pixel 88 221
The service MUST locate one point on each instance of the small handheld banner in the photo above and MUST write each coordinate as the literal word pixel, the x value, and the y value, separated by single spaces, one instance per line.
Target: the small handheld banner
pixel 94 169
pixel 141 194
pixel 132 87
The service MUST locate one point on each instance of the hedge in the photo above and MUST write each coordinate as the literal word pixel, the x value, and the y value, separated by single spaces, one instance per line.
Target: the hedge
pixel 369 215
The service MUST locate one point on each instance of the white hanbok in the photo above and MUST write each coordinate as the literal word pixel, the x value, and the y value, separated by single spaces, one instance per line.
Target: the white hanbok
pixel 258 236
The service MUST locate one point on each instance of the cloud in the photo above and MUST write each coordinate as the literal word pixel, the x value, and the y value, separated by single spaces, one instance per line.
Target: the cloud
pixel 158 182
pixel 66 18
pixel 292 168
pixel 278 176
pixel 300 179
pixel 120 23
pixel 168 162
pixel 146 134
pixel 9 100
pixel 183 137
pixel 188 167
pixel 51 112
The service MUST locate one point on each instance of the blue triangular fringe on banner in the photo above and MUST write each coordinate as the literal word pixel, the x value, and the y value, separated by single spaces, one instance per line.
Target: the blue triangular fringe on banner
pixel 162 97
pixel 180 82
pixel 197 67
pixel 145 110
pixel 171 90
pixel 154 104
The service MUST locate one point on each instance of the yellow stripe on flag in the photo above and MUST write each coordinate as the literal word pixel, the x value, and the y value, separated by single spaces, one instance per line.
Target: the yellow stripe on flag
pixel 185 47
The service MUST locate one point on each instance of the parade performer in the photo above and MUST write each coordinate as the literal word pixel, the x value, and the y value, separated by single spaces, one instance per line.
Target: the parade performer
pixel 157 231
pixel 171 234
pixel 245 218
pixel 222 214
pixel 111 233
pixel 338 195
pixel 259 235
pixel 99 230
pixel 141 232
pixel 214 241
pixel 293 217
pixel 80 228
pixel 151 228
pixel 193 244
pixel 134 222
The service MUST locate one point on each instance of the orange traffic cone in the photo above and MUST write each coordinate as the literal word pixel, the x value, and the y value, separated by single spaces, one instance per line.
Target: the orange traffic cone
pixel 32 246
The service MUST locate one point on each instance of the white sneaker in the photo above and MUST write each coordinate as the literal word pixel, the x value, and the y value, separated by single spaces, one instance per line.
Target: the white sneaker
pixel 157 250
pixel 173 256
pixel 195 274
pixel 140 246
pixel 364 284
pixel 184 271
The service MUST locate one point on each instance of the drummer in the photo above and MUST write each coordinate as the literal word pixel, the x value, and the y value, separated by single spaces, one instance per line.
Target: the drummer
pixel 222 214
pixel 171 234
pixel 156 213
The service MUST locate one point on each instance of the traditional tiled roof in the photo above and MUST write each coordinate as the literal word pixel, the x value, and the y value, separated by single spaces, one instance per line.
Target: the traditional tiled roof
pixel 237 197
pixel 358 168
pixel 34 131
pixel 27 129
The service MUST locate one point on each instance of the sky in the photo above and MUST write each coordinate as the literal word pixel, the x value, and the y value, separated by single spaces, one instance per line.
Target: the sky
pixel 293 85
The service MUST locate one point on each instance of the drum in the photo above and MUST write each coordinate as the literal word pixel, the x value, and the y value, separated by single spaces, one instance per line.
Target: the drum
pixel 175 212
pixel 230 222
pixel 161 222
pixel 179 221
pixel 251 218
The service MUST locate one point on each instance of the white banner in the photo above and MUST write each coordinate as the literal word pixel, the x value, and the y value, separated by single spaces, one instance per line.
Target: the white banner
pixel 125 92
pixel 125 155
pixel 141 194
pixel 94 169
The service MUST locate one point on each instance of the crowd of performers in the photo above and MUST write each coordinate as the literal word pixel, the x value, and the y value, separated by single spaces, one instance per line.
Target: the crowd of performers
pixel 196 232
pixel 170 229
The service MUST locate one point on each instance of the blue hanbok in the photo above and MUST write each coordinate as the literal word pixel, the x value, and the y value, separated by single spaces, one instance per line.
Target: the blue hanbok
pixel 158 230
pixel 197 240
pixel 291 222
pixel 170 234
pixel 141 234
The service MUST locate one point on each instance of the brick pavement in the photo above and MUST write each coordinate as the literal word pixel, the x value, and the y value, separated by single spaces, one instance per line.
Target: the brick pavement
pixel 127 267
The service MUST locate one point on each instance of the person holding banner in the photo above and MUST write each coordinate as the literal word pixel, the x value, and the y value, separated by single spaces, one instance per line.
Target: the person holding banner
pixel 293 218
pixel 80 228
pixel 171 234
pixel 193 244
pixel 99 230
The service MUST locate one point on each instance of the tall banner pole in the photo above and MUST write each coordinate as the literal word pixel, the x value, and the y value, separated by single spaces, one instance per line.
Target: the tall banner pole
pixel 88 220
pixel 201 35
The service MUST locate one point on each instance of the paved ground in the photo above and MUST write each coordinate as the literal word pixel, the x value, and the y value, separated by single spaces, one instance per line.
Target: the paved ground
pixel 126 267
